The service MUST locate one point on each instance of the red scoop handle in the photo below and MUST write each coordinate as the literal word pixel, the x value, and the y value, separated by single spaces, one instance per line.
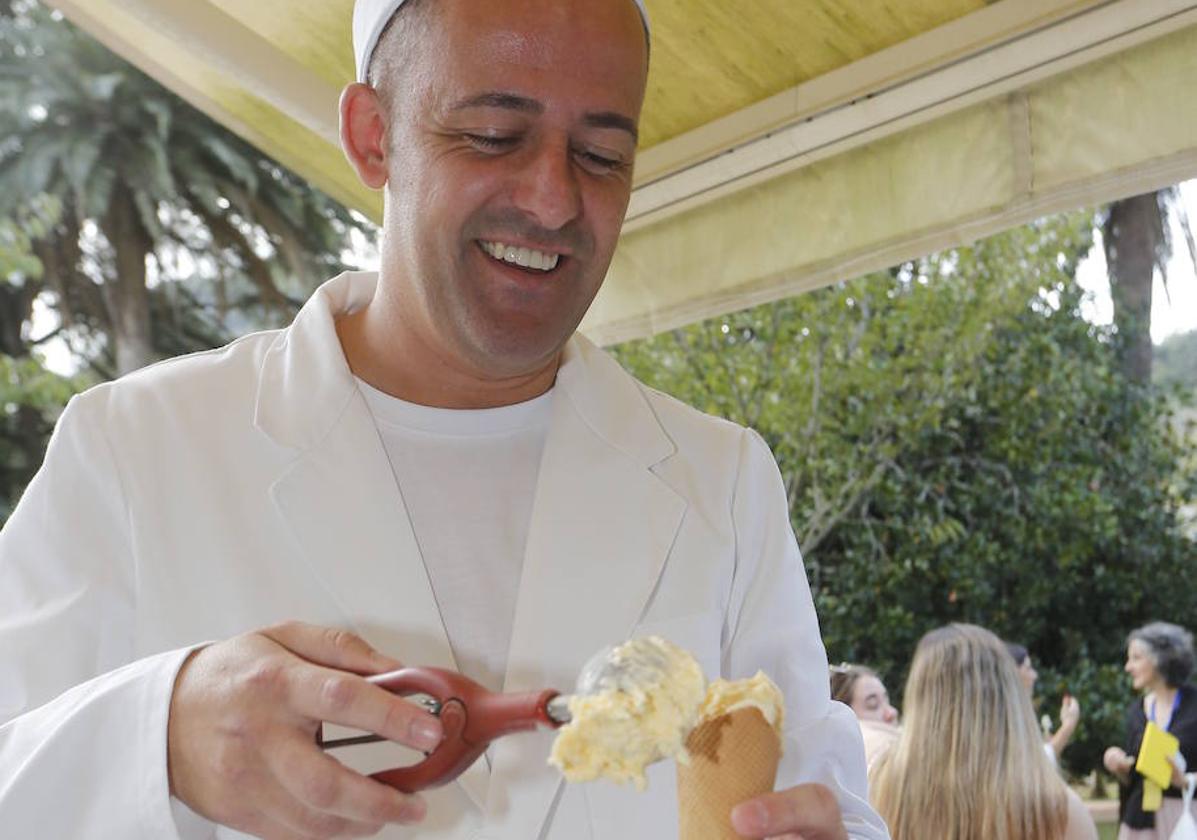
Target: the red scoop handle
pixel 472 717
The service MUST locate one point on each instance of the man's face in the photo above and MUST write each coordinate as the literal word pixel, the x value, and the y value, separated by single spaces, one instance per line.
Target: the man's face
pixel 511 142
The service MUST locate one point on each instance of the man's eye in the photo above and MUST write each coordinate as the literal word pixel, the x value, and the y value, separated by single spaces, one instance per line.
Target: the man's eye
pixel 599 163
pixel 488 143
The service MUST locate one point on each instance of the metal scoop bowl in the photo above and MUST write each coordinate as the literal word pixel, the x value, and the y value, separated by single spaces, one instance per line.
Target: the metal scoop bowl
pixel 629 667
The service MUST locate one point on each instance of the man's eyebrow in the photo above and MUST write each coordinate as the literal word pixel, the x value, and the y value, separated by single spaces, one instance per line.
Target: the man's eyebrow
pixel 527 105
pixel 496 99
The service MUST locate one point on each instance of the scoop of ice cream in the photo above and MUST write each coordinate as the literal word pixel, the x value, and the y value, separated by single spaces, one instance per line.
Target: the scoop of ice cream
pixel 726 696
pixel 643 702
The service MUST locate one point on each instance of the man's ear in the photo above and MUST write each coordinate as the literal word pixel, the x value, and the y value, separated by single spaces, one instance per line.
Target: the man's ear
pixel 363 134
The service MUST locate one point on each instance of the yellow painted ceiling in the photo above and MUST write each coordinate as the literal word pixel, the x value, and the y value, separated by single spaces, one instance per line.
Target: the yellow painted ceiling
pixel 316 34
pixel 711 59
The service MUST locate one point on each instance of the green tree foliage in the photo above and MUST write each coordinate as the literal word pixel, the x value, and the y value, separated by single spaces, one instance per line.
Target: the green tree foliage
pixel 1176 361
pixel 31 397
pixel 172 234
pixel 958 444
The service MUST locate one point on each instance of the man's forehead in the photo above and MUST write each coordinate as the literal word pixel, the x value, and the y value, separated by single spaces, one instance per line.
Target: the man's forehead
pixel 370 19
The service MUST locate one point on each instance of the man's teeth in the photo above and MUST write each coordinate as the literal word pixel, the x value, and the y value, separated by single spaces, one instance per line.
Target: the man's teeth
pixel 523 257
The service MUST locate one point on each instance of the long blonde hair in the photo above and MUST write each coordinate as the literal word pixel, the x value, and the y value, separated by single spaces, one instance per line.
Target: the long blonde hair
pixel 969 764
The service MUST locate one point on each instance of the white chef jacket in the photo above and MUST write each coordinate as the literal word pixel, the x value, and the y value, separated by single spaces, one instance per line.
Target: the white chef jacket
pixel 210 495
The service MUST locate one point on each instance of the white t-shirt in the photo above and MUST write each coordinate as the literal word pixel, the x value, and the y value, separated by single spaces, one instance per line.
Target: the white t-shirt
pixel 467 478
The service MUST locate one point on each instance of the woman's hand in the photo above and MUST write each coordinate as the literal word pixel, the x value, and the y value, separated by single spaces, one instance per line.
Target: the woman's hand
pixel 1178 776
pixel 1070 716
pixel 1118 762
pixel 1070 713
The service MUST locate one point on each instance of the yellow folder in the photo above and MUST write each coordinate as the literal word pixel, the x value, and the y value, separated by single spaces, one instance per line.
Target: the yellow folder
pixel 1153 796
pixel 1155 755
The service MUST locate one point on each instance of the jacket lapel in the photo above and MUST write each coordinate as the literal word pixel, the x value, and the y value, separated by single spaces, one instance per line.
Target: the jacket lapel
pixel 346 512
pixel 340 498
pixel 602 527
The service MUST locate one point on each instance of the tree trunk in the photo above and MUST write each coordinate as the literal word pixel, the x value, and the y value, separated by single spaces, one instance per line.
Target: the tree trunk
pixel 16 305
pixel 126 295
pixel 1132 236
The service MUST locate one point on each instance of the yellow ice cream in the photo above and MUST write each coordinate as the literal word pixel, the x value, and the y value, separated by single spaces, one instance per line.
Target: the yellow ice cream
pixel 726 696
pixel 645 705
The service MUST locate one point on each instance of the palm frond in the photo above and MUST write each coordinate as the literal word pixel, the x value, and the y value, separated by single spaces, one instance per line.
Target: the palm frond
pixel 1172 210
pixel 240 169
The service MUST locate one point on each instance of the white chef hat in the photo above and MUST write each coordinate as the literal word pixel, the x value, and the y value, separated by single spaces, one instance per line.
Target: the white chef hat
pixel 370 18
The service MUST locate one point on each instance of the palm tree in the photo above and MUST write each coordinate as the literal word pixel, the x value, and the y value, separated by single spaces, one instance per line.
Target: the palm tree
pixel 1137 237
pixel 167 233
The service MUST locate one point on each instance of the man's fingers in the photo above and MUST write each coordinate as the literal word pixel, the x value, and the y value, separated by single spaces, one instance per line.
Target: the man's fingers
pixel 323 783
pixel 268 829
pixel 237 706
pixel 280 815
pixel 331 688
pixel 349 700
pixel 332 647
pixel 810 811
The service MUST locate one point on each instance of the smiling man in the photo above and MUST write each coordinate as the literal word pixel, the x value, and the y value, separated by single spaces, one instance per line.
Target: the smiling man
pixel 504 137
pixel 427 464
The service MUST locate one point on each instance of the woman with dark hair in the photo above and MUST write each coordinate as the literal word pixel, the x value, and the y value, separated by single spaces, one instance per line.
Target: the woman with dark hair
pixel 1159 659
pixel 1070 709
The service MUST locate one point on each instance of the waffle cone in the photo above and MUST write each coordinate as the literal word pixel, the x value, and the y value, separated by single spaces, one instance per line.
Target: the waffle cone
pixel 733 757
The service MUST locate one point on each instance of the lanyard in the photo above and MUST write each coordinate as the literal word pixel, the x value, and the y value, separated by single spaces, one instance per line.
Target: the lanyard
pixel 1171 714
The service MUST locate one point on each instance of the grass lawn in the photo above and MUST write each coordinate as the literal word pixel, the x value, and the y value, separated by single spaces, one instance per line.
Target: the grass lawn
pixel 1108 831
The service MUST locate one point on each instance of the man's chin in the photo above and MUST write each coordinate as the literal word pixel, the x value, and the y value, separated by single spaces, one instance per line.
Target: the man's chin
pixel 508 354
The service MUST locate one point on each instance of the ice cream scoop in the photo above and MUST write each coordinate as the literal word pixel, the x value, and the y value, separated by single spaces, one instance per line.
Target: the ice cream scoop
pixel 473 717
pixel 757 692
pixel 635 705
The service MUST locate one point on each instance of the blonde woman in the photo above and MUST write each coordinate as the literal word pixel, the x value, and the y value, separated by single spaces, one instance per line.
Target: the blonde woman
pixel 969 764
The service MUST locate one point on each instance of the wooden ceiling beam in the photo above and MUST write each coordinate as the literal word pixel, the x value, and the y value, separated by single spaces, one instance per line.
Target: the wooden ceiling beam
pixel 996 50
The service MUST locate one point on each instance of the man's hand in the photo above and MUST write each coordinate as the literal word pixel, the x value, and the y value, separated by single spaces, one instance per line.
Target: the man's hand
pixel 243 721
pixel 805 812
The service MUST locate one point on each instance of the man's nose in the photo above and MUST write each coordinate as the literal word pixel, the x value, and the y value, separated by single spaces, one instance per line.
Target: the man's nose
pixel 889 714
pixel 547 187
